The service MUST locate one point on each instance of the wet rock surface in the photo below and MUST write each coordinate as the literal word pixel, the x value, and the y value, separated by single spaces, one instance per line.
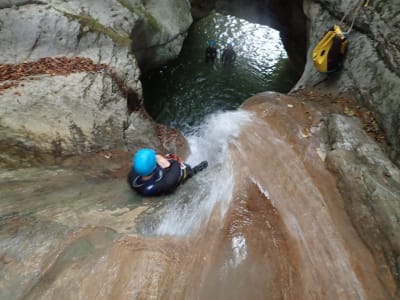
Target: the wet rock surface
pixel 367 180
pixel 299 211
pixel 315 210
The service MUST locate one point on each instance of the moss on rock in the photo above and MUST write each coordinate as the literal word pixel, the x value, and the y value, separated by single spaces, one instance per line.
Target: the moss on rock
pixel 140 10
pixel 96 26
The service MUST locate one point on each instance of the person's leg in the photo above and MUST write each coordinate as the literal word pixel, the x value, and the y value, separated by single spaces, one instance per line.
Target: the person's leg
pixel 200 167
pixel 189 172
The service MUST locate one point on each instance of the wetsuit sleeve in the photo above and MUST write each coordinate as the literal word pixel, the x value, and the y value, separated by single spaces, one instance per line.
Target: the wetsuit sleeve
pixel 131 177
pixel 143 189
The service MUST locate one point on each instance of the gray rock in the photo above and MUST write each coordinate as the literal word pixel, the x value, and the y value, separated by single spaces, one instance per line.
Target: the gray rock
pixel 83 112
pixel 141 132
pixel 371 183
pixel 65 115
pixel 370 70
pixel 15 3
pixel 158 36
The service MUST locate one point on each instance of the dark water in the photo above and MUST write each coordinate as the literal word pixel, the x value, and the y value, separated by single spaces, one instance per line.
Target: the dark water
pixel 182 93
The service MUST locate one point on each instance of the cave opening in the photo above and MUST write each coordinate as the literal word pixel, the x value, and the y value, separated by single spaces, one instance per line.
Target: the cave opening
pixel 183 92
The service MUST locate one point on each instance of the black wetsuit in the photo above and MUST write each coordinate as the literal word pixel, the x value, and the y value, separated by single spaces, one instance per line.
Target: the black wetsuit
pixel 228 56
pixel 163 181
pixel 211 54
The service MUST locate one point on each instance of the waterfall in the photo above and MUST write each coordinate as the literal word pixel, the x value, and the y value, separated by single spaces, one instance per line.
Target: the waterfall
pixel 194 202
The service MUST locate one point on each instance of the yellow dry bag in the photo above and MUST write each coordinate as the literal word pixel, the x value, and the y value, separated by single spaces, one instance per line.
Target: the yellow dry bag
pixel 329 53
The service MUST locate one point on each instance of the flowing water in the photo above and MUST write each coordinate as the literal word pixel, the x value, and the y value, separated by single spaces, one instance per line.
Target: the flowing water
pixel 264 221
pixel 214 188
pixel 193 95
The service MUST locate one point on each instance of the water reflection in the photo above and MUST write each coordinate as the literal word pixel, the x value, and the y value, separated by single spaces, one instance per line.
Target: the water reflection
pixel 185 91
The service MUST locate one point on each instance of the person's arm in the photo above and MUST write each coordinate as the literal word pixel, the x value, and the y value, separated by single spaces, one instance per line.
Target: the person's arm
pixel 162 161
pixel 171 156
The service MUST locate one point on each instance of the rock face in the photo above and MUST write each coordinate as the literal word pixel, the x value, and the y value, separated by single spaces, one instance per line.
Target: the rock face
pixel 158 36
pixel 87 29
pixel 370 70
pixel 369 182
pixel 62 116
pixel 57 114
pixel 372 185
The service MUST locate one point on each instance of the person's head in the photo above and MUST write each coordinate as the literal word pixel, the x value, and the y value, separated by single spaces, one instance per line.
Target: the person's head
pixel 144 162
pixel 229 46
pixel 211 43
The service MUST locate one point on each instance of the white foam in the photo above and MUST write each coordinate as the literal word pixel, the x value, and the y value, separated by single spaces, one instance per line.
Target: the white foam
pixel 193 204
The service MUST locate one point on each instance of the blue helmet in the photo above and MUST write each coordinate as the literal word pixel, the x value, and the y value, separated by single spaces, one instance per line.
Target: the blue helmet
pixel 211 43
pixel 144 162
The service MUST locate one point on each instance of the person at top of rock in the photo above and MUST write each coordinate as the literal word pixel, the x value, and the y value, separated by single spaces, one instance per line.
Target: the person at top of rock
pixel 228 55
pixel 211 51
pixel 154 174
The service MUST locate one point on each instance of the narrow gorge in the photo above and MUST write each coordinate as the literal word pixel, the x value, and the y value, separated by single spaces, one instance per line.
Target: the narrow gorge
pixel 301 199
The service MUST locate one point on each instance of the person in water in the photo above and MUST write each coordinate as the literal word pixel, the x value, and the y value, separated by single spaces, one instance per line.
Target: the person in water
pixel 154 174
pixel 228 55
pixel 211 52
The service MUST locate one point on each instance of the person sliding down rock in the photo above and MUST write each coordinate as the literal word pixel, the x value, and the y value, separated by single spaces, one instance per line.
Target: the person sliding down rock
pixel 154 174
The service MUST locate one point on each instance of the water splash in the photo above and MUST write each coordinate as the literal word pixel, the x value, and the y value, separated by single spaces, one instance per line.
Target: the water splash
pixel 195 201
pixel 239 248
pixel 210 140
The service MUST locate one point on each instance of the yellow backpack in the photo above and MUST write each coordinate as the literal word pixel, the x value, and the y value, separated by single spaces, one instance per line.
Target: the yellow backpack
pixel 329 53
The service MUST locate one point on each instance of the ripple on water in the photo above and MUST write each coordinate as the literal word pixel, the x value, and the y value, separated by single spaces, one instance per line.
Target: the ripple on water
pixel 188 89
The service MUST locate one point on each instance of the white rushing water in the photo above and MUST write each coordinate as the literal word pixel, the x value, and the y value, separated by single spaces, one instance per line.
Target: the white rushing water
pixel 194 202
